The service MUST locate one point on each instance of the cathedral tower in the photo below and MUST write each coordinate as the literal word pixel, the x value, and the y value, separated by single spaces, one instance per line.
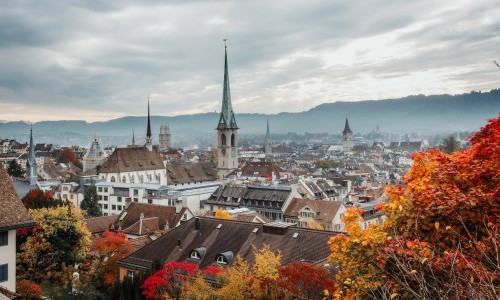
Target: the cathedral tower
pixel 164 137
pixel 227 130
pixel 347 138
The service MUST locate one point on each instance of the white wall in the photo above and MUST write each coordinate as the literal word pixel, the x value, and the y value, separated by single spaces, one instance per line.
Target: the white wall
pixel 8 256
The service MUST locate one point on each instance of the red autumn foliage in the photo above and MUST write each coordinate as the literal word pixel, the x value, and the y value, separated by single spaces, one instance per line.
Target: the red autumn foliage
pixel 112 246
pixel 36 199
pixel 169 280
pixel 29 289
pixel 305 280
pixel 67 155
pixel 447 237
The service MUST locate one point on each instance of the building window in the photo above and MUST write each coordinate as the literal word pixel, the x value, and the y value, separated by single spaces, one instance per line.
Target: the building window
pixel 105 190
pixel 131 274
pixel 150 201
pixel 136 200
pixel 4 272
pixel 99 189
pixel 136 192
pixel 113 179
pixel 223 139
pixel 221 259
pixel 119 199
pixel 4 238
pixel 105 206
pixel 106 198
pixel 119 207
pixel 113 207
pixel 194 255
pixel 233 140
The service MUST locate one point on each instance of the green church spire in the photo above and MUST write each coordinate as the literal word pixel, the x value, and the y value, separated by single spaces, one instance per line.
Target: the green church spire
pixel 227 118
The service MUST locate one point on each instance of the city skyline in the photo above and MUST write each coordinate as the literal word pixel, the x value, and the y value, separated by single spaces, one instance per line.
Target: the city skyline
pixel 99 61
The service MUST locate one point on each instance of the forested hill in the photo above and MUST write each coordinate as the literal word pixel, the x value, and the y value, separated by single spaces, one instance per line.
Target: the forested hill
pixel 423 114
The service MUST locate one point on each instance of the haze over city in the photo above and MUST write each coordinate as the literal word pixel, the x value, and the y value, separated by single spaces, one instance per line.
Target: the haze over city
pixel 98 60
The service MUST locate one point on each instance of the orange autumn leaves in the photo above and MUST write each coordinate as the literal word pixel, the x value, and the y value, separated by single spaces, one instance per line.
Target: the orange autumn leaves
pixel 441 238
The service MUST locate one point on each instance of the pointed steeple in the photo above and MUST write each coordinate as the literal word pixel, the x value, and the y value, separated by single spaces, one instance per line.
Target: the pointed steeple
pixel 149 138
pixel 227 115
pixel 347 129
pixel 31 163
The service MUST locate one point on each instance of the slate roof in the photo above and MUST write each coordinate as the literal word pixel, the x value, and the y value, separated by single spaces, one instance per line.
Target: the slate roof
pixel 13 214
pixel 178 173
pixel 155 218
pixel 250 196
pixel 219 236
pixel 133 159
pixel 99 224
pixel 327 209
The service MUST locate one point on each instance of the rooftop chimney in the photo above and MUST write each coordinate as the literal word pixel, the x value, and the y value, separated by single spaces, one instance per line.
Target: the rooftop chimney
pixel 196 223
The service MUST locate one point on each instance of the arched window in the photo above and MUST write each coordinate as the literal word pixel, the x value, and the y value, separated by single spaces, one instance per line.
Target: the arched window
pixel 124 179
pixel 113 179
pixel 223 139
pixel 233 140
pixel 150 178
pixel 158 178
pixel 141 178
pixel 132 179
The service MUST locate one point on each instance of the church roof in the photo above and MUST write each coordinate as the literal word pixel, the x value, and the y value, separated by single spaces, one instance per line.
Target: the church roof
pixel 325 210
pixel 227 118
pixel 13 214
pixel 133 159
pixel 347 129
pixel 190 172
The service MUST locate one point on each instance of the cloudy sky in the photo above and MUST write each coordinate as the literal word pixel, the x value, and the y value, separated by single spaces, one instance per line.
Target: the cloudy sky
pixel 98 60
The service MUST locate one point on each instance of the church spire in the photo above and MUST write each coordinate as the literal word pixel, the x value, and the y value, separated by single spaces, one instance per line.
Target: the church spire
pixel 268 135
pixel 31 163
pixel 226 115
pixel 347 129
pixel 149 138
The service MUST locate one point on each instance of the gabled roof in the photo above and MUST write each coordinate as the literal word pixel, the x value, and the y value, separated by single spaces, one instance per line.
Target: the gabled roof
pixel 99 224
pixel 190 172
pixel 133 159
pixel 13 214
pixel 219 236
pixel 327 209
pixel 155 217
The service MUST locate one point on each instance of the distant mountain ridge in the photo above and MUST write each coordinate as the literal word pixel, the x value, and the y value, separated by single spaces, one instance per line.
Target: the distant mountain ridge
pixel 423 114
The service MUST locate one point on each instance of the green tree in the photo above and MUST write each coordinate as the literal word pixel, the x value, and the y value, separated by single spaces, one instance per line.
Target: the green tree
pixel 14 169
pixel 60 240
pixel 326 164
pixel 450 144
pixel 90 202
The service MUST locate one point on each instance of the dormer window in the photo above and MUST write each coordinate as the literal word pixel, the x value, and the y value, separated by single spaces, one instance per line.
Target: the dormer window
pixel 198 253
pixel 225 258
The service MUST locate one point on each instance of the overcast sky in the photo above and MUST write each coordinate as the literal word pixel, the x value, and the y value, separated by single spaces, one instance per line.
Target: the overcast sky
pixel 97 60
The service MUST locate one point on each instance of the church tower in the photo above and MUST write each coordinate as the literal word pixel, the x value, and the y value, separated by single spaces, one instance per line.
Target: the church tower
pixel 31 173
pixel 347 138
pixel 164 137
pixel 268 145
pixel 227 130
pixel 149 138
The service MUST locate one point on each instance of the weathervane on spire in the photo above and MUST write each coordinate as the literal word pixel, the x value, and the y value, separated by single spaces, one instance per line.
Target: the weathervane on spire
pixel 225 42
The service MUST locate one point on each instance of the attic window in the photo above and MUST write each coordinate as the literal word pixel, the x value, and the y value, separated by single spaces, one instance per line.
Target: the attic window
pixel 255 230
pixel 295 235
pixel 219 226
pixel 198 253
pixel 225 258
